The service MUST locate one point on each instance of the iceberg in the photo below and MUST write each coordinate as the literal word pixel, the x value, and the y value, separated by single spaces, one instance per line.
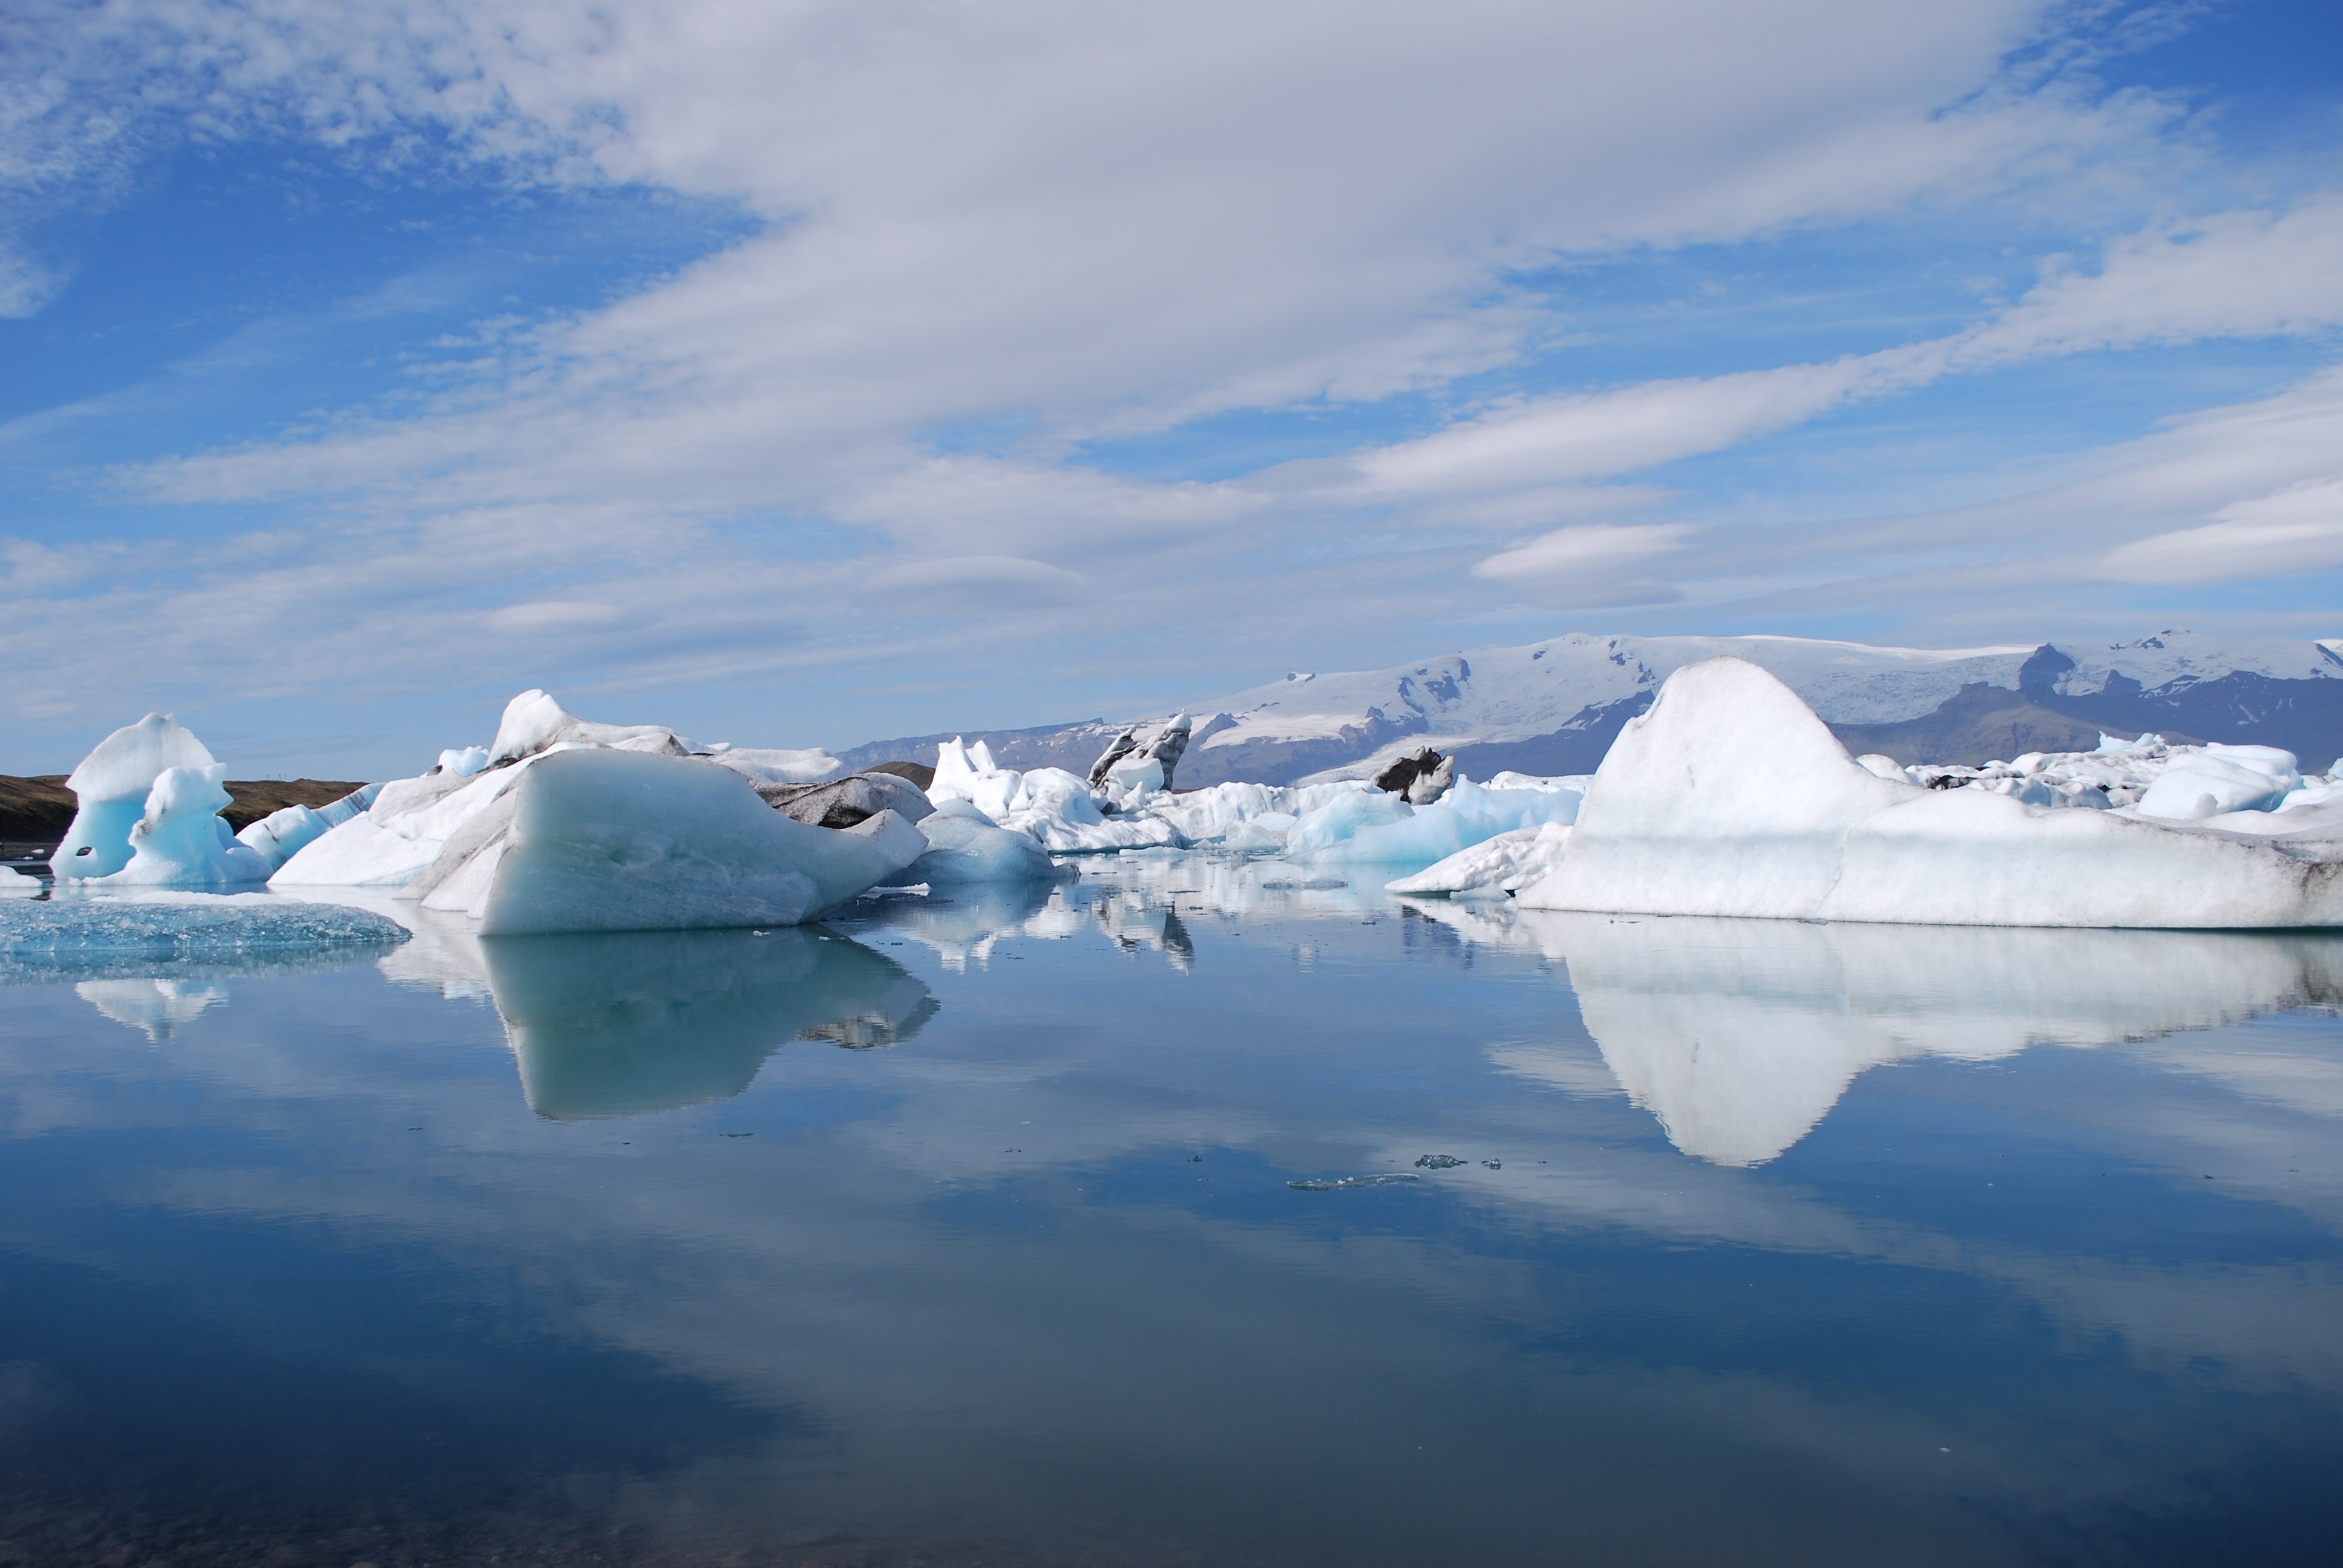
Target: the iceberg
pixel 964 846
pixel 15 884
pixel 1384 830
pixel 179 839
pixel 111 785
pixel 1054 808
pixel 279 836
pixel 603 839
pixel 1495 868
pixel 400 836
pixel 1730 798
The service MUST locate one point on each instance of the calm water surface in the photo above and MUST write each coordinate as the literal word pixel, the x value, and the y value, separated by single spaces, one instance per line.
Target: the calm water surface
pixel 1184 1214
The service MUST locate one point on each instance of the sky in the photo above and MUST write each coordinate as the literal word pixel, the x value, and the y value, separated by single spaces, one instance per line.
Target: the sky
pixel 807 373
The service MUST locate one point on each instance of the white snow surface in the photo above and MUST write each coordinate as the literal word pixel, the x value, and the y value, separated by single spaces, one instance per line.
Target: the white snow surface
pixel 1730 798
pixel 534 722
pixel 396 839
pixel 1513 693
pixel 612 840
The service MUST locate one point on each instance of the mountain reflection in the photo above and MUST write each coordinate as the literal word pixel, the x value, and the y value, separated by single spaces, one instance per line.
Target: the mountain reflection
pixel 1739 1036
pixel 626 1023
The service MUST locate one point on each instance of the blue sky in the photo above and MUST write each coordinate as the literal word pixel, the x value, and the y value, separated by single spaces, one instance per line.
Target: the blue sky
pixel 806 373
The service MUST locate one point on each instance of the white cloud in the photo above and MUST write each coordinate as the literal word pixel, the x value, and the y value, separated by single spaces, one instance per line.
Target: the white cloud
pixel 1085 222
pixel 976 584
pixel 2242 274
pixel 2298 530
pixel 1589 566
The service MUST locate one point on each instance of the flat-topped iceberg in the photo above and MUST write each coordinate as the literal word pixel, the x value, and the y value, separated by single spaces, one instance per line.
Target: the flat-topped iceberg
pixel 601 839
pixel 1731 798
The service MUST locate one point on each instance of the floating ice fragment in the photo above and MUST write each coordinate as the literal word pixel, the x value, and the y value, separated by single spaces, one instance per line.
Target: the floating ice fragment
pixel 1322 1184
pixel 76 934
pixel 1437 1162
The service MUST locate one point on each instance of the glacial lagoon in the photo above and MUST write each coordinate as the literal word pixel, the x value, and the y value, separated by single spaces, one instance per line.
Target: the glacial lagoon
pixel 1200 1210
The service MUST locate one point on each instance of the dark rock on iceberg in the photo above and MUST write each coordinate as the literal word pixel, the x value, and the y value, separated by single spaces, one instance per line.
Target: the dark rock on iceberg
pixel 1170 743
pixel 1123 746
pixel 843 802
pixel 1420 779
pixel 920 773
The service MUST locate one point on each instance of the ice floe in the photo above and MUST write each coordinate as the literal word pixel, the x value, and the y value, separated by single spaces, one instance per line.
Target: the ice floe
pixel 99 933
pixel 1731 798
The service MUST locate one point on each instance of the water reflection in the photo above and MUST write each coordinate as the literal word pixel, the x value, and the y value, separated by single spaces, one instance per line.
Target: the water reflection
pixel 161 1007
pixel 1739 1036
pixel 625 1023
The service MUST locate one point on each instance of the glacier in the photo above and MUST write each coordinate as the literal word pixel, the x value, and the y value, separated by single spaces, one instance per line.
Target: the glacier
pixel 1730 798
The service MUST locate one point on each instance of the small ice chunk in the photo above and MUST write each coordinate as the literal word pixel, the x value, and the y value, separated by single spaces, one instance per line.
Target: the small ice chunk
pixel 464 762
pixel 965 848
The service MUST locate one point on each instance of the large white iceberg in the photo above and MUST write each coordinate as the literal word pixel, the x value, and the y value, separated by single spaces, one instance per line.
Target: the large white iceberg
pixel 602 839
pixel 111 785
pixel 398 836
pixel 1730 798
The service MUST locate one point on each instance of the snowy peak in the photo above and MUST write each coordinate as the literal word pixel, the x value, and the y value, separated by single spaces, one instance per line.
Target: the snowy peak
pixel 1554 707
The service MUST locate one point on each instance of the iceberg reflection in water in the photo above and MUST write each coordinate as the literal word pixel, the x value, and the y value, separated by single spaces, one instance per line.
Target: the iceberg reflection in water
pixel 1740 1035
pixel 1197 1212
pixel 625 1023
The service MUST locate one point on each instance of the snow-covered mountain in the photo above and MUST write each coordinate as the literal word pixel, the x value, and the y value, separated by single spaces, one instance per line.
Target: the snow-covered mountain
pixel 1554 707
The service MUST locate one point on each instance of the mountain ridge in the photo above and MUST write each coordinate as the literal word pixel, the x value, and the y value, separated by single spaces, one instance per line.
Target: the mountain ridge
pixel 1554 706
